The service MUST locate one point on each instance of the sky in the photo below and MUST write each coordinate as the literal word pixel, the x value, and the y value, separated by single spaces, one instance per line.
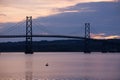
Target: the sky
pixel 104 15
pixel 15 10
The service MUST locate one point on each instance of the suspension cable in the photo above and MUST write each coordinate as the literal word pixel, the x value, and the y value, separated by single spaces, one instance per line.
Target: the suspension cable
pixel 11 28
pixel 44 29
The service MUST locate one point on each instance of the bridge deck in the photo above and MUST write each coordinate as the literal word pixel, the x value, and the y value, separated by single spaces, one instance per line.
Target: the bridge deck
pixel 55 36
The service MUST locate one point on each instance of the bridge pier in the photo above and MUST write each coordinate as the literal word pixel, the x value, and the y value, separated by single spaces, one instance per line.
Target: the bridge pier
pixel 28 35
pixel 87 37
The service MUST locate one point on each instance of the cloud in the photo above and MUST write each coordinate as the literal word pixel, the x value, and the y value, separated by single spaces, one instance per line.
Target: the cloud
pixel 71 9
pixel 104 18
pixel 104 36
pixel 36 8
pixel 3 15
pixel 117 0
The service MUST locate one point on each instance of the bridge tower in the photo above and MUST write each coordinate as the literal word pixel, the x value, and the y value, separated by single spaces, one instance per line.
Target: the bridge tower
pixel 29 35
pixel 87 37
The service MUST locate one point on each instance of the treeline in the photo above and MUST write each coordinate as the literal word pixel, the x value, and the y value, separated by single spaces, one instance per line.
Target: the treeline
pixel 112 45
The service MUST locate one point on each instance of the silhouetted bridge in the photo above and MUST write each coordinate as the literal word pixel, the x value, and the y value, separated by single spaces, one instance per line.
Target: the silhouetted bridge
pixel 54 36
pixel 29 36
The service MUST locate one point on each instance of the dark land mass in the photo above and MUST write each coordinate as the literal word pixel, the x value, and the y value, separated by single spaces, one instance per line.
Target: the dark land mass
pixel 112 45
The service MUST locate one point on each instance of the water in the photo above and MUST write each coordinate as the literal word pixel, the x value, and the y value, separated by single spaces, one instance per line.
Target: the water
pixel 61 66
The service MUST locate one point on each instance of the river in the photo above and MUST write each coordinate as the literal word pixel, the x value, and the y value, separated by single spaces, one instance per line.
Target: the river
pixel 61 66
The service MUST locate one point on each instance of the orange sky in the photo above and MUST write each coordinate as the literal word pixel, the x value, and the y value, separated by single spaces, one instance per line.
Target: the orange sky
pixel 103 36
pixel 16 10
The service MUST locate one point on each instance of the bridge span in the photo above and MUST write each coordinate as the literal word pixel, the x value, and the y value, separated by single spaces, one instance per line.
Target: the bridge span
pixel 29 35
pixel 54 36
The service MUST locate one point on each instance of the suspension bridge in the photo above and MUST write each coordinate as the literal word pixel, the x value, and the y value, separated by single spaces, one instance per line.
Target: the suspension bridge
pixel 29 35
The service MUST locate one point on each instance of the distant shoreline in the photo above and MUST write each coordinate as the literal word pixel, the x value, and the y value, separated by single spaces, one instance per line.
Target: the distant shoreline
pixel 104 46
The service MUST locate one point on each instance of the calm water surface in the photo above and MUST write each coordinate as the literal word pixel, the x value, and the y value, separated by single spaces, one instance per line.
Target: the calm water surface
pixel 61 66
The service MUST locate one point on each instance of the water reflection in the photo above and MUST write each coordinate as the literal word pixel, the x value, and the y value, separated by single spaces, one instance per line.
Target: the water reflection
pixel 67 66
pixel 29 64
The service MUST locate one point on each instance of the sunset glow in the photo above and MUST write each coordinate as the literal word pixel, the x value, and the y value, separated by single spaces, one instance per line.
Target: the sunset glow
pixel 103 36
pixel 16 10
pixel 103 14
